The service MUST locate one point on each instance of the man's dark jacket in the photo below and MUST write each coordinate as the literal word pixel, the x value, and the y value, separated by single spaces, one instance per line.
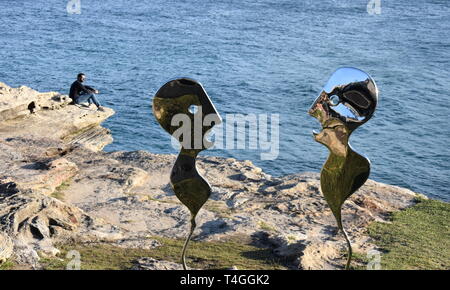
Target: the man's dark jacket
pixel 77 88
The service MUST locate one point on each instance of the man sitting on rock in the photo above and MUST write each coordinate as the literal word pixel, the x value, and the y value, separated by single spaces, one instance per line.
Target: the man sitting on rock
pixel 80 93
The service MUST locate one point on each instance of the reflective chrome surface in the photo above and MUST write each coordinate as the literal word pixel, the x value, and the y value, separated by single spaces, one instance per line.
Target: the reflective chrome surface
pixel 188 97
pixel 347 101
pixel 350 95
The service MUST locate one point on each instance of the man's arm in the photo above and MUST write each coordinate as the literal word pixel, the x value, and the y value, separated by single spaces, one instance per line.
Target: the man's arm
pixel 92 90
pixel 83 88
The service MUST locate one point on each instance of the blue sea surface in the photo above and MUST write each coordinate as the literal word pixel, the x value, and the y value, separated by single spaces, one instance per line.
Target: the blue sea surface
pixel 252 56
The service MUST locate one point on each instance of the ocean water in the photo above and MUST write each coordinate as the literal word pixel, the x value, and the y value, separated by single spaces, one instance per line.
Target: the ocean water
pixel 252 56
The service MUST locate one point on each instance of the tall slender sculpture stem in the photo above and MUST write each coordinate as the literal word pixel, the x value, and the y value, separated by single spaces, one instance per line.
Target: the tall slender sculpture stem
pixel 183 253
pixel 349 251
pixel 349 247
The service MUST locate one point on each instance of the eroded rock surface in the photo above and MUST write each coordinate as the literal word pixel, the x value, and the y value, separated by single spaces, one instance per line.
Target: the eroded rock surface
pixel 27 113
pixel 57 185
pixel 36 131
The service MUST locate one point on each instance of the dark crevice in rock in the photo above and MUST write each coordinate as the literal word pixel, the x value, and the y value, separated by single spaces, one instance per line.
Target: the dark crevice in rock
pixel 21 224
pixel 32 107
pixel 36 232
pixel 8 188
pixel 36 166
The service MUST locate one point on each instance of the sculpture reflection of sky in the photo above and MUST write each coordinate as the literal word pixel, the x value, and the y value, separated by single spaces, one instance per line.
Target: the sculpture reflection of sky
pixel 345 75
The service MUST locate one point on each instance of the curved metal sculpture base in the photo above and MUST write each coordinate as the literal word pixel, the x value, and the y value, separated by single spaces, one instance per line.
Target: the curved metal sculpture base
pixel 349 249
pixel 183 253
pixel 190 188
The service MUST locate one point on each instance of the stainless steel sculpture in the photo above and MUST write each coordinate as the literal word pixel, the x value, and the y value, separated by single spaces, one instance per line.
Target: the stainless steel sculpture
pixel 347 101
pixel 172 99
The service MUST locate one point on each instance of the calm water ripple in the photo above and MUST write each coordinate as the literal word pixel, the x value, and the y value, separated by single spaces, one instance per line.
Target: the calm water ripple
pixel 254 56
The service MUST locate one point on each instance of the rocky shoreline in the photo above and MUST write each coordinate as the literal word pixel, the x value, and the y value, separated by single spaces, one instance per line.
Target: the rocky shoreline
pixel 57 185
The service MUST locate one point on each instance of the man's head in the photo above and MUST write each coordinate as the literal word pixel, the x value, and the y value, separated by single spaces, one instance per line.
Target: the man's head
pixel 81 77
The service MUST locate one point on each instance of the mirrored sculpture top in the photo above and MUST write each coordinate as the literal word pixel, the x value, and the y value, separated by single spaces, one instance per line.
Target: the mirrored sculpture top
pixel 177 97
pixel 347 101
pixel 350 96
pixel 173 108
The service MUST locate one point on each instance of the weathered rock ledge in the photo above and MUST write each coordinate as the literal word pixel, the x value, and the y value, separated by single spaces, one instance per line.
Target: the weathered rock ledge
pixel 57 185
